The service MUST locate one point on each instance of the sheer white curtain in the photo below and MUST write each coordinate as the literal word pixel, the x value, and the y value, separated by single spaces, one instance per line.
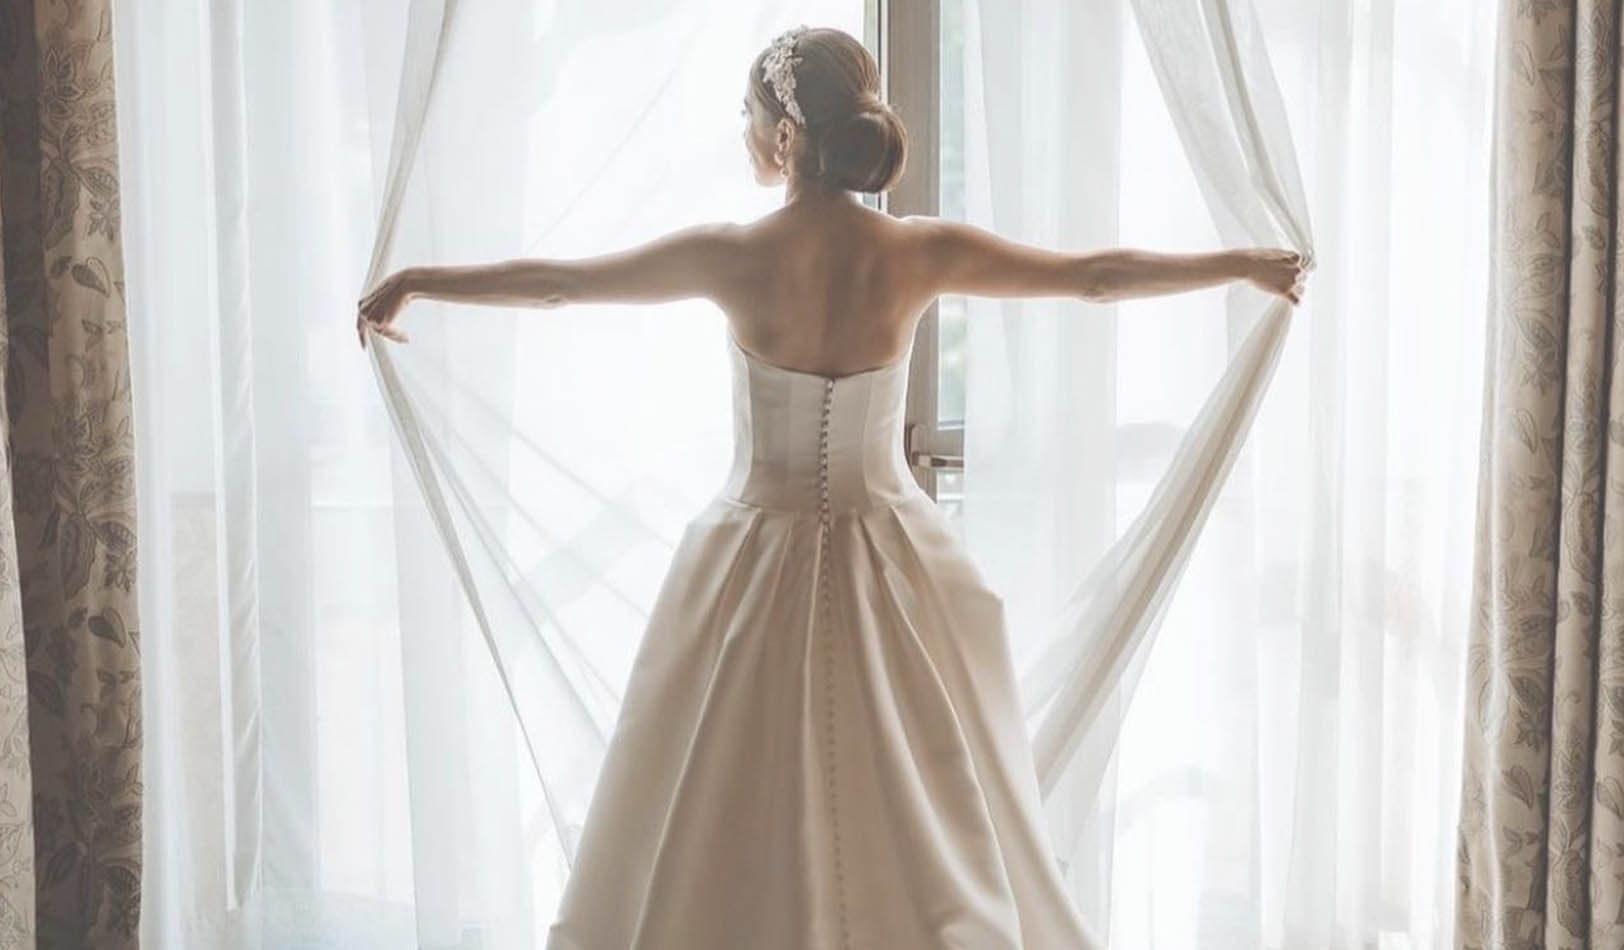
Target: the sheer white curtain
pixel 332 758
pixel 340 545
pixel 1285 772
pixel 1083 671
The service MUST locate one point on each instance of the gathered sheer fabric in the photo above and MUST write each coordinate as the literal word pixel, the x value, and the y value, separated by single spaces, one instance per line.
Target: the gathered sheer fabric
pixel 331 754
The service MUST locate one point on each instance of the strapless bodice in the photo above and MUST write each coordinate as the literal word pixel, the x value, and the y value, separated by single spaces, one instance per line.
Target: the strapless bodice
pixel 807 441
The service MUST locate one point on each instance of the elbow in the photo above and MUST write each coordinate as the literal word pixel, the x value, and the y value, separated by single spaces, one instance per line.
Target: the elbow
pixel 550 284
pixel 1093 281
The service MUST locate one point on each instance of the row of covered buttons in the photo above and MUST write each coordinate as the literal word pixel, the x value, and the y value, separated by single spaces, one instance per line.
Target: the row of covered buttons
pixel 823 447
pixel 828 651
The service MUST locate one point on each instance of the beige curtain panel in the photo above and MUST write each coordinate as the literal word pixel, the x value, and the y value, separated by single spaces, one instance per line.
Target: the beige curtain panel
pixel 1541 858
pixel 70 697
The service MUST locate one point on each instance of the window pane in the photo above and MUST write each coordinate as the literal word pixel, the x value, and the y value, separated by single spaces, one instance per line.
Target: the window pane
pixel 951 328
pixel 950 497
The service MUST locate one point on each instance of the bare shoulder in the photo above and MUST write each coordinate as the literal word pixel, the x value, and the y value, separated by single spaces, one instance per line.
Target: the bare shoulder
pixel 715 235
pixel 692 243
pixel 960 258
pixel 936 243
pixel 745 238
pixel 719 245
pixel 921 223
pixel 928 229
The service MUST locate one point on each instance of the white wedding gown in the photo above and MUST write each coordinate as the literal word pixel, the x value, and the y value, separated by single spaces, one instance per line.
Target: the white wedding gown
pixel 821 743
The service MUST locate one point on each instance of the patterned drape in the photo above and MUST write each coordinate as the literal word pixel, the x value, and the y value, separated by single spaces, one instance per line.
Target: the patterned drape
pixel 70 701
pixel 1541 854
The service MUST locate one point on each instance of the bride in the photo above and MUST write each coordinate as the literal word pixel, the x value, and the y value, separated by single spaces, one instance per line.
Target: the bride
pixel 820 743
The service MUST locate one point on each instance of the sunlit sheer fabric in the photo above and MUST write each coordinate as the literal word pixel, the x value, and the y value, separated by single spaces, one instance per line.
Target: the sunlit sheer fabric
pixel 332 757
pixel 1033 435
pixel 1285 772
pixel 394 611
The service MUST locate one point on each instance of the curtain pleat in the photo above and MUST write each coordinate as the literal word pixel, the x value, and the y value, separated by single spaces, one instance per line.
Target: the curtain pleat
pixel 1230 536
pixel 1541 846
pixel 70 673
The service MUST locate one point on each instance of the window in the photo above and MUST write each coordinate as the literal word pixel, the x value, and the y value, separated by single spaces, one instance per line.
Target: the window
pixel 911 41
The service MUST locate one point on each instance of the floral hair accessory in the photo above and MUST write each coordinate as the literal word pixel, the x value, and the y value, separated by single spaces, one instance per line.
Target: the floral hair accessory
pixel 779 70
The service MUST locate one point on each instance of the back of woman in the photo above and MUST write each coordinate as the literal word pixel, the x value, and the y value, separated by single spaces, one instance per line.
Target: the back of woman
pixel 825 281
pixel 834 292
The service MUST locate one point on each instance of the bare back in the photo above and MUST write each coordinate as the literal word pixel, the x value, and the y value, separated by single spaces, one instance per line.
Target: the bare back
pixel 832 289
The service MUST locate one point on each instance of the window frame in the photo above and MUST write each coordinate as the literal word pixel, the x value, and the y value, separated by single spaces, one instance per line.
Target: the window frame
pixel 906 38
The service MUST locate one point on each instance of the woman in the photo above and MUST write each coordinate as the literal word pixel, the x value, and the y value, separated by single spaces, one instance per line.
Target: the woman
pixel 820 744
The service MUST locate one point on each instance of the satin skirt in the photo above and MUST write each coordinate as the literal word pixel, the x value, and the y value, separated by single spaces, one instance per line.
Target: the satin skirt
pixel 820 746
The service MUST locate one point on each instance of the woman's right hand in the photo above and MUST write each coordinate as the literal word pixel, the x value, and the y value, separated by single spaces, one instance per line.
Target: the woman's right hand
pixel 378 309
pixel 1277 270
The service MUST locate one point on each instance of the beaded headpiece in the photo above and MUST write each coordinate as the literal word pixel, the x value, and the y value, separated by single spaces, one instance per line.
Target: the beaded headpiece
pixel 778 68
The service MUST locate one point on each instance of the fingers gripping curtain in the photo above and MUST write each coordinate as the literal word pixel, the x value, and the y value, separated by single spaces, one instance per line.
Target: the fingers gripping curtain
pixel 1215 73
pixel 563 722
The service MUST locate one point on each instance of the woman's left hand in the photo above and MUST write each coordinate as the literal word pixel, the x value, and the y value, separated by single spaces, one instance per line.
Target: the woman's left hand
pixel 1278 271
pixel 378 309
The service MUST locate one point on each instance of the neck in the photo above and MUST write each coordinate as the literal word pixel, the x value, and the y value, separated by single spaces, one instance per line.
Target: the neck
pixel 797 191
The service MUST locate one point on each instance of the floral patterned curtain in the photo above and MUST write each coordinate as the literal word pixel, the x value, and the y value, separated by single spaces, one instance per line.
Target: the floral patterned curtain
pixel 70 723
pixel 1541 855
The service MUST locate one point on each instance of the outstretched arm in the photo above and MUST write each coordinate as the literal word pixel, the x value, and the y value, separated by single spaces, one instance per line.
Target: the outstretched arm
pixel 964 259
pixel 684 263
